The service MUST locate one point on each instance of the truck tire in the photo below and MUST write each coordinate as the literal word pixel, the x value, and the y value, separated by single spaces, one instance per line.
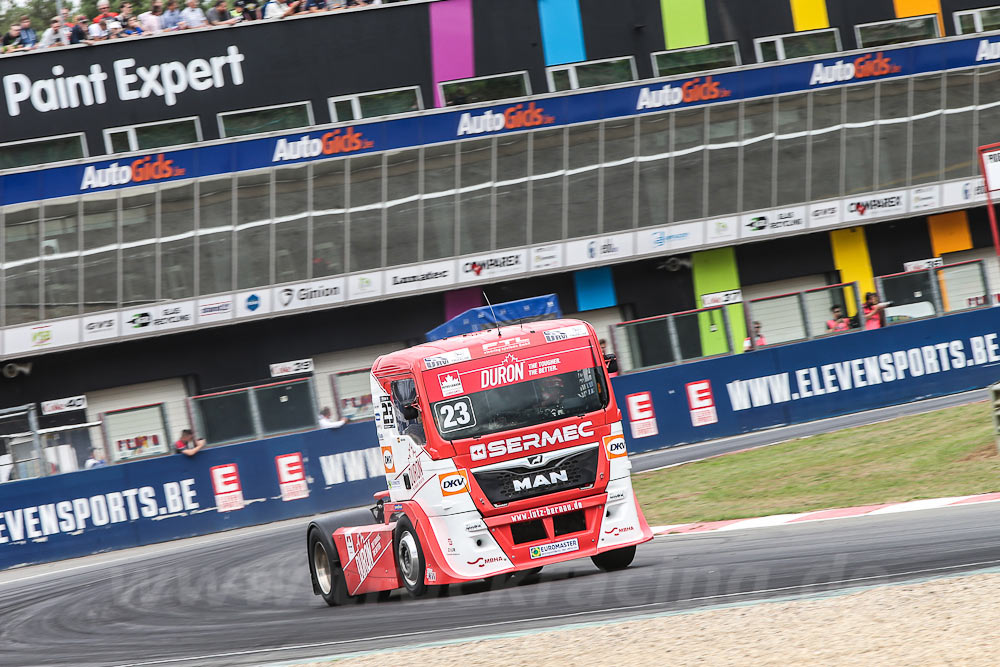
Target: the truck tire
pixel 328 572
pixel 619 559
pixel 410 563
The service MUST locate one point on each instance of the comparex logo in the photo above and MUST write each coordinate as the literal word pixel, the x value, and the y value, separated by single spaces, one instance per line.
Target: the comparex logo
pixel 862 67
pixel 523 443
pixel 872 205
pixel 335 142
pixel 693 90
pixel 512 118
pixel 492 264
pixel 142 170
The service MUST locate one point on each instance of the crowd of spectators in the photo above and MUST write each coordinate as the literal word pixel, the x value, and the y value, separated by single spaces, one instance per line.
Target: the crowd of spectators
pixel 163 16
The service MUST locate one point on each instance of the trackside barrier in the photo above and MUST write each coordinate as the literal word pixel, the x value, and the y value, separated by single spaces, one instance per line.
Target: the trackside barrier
pixel 799 382
pixel 176 496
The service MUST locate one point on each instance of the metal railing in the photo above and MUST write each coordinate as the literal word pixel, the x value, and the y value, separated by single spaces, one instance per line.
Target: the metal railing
pixel 255 412
pixel 797 316
pixel 934 291
pixel 671 339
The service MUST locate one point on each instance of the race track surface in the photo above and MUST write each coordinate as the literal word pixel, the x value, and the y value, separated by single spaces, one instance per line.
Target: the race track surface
pixel 244 597
pixel 247 599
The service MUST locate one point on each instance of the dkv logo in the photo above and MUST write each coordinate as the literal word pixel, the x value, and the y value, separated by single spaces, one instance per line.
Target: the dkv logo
pixel 454 483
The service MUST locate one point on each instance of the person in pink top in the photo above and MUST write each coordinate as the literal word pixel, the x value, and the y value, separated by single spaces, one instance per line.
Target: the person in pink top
pixel 874 311
pixel 758 339
pixel 839 322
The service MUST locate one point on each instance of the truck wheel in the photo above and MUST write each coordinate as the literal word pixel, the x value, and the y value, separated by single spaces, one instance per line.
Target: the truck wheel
pixel 329 575
pixel 619 559
pixel 410 561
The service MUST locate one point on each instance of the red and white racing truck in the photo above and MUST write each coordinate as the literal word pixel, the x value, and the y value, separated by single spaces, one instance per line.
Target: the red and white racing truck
pixel 503 452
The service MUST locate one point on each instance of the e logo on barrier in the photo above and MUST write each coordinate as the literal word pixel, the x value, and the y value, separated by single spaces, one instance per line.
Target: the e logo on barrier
pixel 642 418
pixel 291 477
pixel 701 403
pixel 226 485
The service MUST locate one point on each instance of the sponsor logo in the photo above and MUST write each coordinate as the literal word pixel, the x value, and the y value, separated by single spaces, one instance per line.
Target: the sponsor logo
pixel 227 487
pixel 614 445
pixel 451 384
pixel 490 560
pixel 100 325
pixel 286 295
pixel 662 239
pixel 505 345
pixel 366 553
pixel 546 257
pixel 170 316
pixel 419 277
pixel 475 526
pixel 721 298
pixel 140 320
pixel 215 309
pixel 166 80
pixel 619 530
pixel 447 358
pixel 863 67
pixel 389 463
pixel 565 333
pixel 869 206
pixel 335 142
pixel 641 416
pixel 523 443
pixel 453 483
pixel 253 302
pixel 616 496
pixel 553 549
pixel 599 249
pixel 974 189
pixel 64 405
pixel 757 223
pixel 296 367
pixel 541 479
pixel 988 51
pixel 825 212
pixel 492 264
pixel 291 477
pixel 689 92
pixel 542 512
pixel 701 403
pixel 142 170
pixel 41 336
pixel 512 118
pixel 505 373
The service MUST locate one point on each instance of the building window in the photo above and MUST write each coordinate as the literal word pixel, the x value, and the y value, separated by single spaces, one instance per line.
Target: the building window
pixel 265 119
pixel 377 103
pixel 797 45
pixel 696 59
pixel 977 20
pixel 149 136
pixel 485 89
pixel 591 73
pixel 897 31
pixel 39 151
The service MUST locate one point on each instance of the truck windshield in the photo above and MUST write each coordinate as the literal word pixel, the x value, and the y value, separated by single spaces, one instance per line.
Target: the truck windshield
pixel 521 405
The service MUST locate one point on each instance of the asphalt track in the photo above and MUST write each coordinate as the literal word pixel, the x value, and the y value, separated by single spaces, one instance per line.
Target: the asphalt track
pixel 244 598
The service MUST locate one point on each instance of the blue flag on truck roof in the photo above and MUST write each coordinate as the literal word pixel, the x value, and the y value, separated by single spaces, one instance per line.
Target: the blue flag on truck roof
pixel 545 307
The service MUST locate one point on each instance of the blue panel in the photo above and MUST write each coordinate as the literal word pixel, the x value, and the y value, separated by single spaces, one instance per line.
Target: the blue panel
pixel 544 307
pixel 802 382
pixel 595 288
pixel 562 31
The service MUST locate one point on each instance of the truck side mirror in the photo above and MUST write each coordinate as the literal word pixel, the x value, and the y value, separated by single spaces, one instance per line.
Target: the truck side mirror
pixel 611 361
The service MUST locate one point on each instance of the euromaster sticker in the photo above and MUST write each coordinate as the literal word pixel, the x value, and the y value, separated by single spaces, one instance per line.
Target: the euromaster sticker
pixel 554 548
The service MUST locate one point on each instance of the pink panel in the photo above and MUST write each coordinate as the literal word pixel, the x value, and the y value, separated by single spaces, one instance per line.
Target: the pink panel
pixel 461 300
pixel 452 54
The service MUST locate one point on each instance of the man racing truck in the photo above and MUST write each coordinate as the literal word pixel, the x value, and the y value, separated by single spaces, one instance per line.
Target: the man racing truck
pixel 503 452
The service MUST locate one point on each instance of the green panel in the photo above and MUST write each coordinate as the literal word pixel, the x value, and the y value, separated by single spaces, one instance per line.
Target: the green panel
pixel 715 271
pixel 684 23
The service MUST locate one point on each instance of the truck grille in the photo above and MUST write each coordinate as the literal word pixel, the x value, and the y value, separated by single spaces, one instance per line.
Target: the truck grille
pixel 572 471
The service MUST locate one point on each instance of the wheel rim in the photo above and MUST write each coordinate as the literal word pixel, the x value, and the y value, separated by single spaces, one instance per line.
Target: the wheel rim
pixel 321 562
pixel 408 559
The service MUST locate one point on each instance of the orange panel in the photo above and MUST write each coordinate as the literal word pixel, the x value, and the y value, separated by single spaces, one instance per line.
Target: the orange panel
pixel 949 232
pixel 905 8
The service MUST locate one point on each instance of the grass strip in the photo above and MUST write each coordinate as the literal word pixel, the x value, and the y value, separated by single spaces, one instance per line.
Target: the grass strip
pixel 950 452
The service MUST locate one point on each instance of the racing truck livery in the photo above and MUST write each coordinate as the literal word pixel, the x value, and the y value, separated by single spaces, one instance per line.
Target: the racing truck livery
pixel 503 452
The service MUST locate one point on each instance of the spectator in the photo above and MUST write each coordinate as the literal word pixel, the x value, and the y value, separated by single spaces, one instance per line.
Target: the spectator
pixel 67 20
pixel 277 9
pixel 874 311
pixel 192 16
pixel 78 33
pixel 839 321
pixel 219 14
pixel 171 18
pixel 326 419
pixel 98 31
pixel 132 27
pixel 95 460
pixel 12 40
pixel 187 445
pixel 313 6
pixel 102 12
pixel 28 37
pixel 114 30
pixel 125 12
pixel 758 339
pixel 53 34
pixel 152 21
pixel 249 10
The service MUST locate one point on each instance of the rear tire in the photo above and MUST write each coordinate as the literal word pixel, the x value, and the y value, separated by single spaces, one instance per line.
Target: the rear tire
pixel 410 563
pixel 329 575
pixel 619 559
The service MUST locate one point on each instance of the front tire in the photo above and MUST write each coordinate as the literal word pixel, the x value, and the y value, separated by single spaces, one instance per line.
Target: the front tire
pixel 410 563
pixel 329 575
pixel 619 559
